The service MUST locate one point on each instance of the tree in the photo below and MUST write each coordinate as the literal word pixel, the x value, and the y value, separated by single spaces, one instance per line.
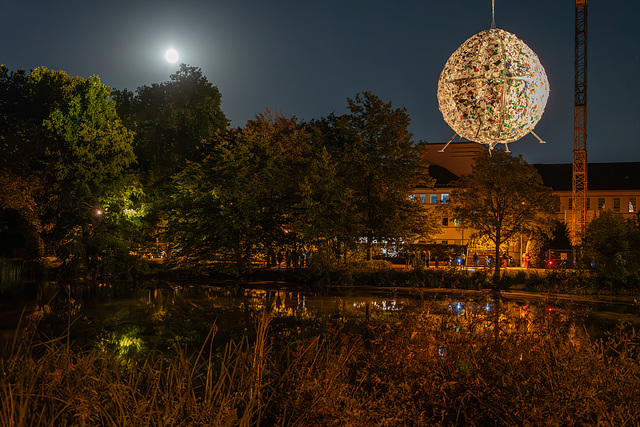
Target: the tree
pixel 540 244
pixel 379 165
pixel 610 248
pixel 64 135
pixel 501 198
pixel 172 121
pixel 239 201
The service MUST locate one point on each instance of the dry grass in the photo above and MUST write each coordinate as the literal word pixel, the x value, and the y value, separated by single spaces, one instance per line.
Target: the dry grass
pixel 422 368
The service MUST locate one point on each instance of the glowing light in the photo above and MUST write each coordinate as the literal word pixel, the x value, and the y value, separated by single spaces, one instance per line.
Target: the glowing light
pixel 493 89
pixel 171 56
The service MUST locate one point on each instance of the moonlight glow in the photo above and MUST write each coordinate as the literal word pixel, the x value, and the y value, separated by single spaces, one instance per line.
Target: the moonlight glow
pixel 493 89
pixel 171 56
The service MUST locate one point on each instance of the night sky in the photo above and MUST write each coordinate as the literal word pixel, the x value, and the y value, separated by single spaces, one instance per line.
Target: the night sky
pixel 304 58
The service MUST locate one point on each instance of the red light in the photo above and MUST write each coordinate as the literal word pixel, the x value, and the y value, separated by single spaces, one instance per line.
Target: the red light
pixel 550 309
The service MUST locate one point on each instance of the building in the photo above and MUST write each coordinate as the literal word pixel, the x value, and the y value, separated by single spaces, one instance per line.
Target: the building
pixel 611 186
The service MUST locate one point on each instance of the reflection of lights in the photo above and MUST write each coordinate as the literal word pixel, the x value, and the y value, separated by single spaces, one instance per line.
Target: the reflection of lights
pixel 442 351
pixel 458 308
pixel 387 306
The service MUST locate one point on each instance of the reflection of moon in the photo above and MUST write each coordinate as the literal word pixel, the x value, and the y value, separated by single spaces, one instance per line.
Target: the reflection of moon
pixel 172 56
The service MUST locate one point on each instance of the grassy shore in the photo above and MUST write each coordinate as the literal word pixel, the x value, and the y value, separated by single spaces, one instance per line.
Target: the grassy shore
pixel 424 367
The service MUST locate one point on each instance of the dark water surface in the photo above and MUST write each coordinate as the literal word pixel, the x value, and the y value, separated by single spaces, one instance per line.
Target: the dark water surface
pixel 184 313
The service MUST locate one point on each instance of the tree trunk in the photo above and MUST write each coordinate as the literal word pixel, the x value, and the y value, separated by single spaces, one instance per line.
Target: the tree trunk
pixel 369 247
pixel 498 261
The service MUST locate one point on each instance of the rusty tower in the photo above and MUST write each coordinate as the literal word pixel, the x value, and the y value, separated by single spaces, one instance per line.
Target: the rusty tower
pixel 579 186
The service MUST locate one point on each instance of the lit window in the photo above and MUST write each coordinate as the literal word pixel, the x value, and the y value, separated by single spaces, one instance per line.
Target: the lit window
pixel 423 198
pixel 412 196
pixel 601 203
pixel 457 223
pixel 632 204
pixel 616 204
pixel 444 198
pixel 434 198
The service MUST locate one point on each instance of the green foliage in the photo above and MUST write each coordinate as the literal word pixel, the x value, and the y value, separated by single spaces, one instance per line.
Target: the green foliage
pixel 74 156
pixel 378 164
pixel 238 202
pixel 172 121
pixel 611 249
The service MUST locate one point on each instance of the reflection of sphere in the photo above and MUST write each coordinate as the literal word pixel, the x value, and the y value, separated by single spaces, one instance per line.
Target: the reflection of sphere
pixel 493 89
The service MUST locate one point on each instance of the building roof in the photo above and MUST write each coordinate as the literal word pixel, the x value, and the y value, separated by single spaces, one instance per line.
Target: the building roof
pixel 600 176
pixel 458 157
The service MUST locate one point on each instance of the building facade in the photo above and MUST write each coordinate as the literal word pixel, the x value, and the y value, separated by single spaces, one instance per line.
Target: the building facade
pixel 612 187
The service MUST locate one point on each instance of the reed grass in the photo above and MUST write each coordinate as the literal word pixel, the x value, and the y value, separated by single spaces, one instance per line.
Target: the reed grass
pixel 427 367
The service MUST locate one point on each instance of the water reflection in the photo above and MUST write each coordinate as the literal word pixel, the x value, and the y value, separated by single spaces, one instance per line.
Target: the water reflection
pixel 213 301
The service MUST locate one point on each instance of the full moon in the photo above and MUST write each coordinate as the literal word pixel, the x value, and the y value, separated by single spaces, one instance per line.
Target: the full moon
pixel 171 56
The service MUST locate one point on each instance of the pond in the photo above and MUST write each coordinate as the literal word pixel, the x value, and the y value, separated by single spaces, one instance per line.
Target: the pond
pixel 186 312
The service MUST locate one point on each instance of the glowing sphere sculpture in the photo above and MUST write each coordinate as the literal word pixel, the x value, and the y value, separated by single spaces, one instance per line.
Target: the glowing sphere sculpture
pixel 493 89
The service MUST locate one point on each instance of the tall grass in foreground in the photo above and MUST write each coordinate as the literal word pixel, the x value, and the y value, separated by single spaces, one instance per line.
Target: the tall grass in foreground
pixel 419 369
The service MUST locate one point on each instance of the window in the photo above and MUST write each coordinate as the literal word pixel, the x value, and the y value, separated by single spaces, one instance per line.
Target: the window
pixel 632 204
pixel 445 222
pixel 601 203
pixel 412 196
pixel 445 242
pixel 616 204
pixel 434 198
pixel 570 203
pixel 588 203
pixel 423 198
pixel 457 223
pixel 444 198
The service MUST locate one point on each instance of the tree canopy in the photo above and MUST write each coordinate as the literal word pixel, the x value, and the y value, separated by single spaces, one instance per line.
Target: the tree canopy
pixel 611 249
pixel 172 120
pixel 239 200
pixel 91 170
pixel 379 165
pixel 63 137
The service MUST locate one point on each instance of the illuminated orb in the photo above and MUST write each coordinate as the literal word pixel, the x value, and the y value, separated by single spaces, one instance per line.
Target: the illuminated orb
pixel 493 89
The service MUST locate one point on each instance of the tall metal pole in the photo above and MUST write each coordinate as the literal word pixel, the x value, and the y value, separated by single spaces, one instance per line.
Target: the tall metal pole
pixel 579 188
